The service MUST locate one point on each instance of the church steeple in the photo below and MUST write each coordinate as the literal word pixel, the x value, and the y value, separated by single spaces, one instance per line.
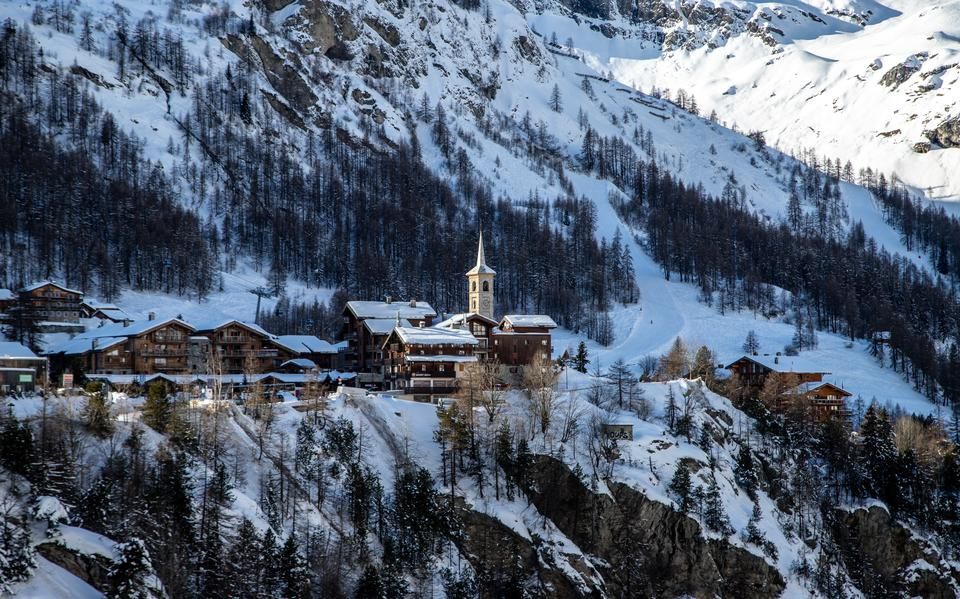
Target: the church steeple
pixel 481 267
pixel 480 281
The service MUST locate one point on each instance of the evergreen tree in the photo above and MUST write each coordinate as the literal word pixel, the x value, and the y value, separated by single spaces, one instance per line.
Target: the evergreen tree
pixel 714 516
pixel 751 345
pixel 130 575
pixel 681 487
pixel 158 409
pixel 17 556
pixel 556 102
pixel 295 577
pixel 745 472
pixel 580 360
pixel 96 412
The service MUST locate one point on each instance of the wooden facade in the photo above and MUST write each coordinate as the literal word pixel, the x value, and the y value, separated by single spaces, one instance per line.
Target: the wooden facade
pixel 157 348
pixel 365 340
pixel 426 363
pixel 752 371
pixel 240 347
pixel 51 302
pixel 826 400
pixel 520 338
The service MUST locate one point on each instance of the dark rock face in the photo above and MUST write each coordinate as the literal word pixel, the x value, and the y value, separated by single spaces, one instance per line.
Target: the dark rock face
pixel 921 147
pixel 880 553
pixel 947 133
pixel 508 562
pixel 645 547
pixel 92 569
pixel 898 74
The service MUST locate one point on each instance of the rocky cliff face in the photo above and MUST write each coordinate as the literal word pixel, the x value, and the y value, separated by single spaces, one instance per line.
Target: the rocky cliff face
pixel 643 547
pixel 881 553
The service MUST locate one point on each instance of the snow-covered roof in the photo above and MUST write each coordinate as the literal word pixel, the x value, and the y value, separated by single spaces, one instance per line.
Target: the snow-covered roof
pixel 14 350
pixel 40 284
pixel 370 309
pixel 6 295
pixel 441 358
pixel 530 321
pixel 383 326
pixel 112 311
pixel 783 363
pixel 307 344
pixel 137 327
pixel 81 345
pixel 435 336
pixel 300 363
pixel 213 325
pixel 459 320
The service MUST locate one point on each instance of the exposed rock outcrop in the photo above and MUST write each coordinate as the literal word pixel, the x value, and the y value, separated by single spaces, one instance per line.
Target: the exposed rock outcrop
pixel 645 548
pixel 879 552
pixel 946 134
pixel 507 561
pixel 92 569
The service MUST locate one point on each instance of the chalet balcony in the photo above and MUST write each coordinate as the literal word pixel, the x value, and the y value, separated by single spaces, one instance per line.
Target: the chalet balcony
pixel 151 352
pixel 244 353
pixel 431 385
pixel 229 340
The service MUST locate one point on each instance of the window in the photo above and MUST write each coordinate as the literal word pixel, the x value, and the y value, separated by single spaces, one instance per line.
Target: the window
pixel 474 304
pixel 440 368
pixel 486 285
pixel 473 285
pixel 543 342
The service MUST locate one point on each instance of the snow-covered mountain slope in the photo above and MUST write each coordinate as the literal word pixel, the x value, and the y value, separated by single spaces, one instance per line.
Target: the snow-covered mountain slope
pixel 863 82
pixel 318 65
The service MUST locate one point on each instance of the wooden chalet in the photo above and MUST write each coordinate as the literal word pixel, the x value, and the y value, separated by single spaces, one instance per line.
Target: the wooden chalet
pixel 364 340
pixel 425 362
pixel 102 311
pixel 824 398
pixel 242 347
pixel 144 347
pixel 52 302
pixel 753 371
pixel 521 337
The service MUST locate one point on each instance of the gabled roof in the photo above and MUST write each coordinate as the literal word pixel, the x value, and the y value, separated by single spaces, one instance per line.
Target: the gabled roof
pixel 40 284
pixel 81 345
pixel 307 344
pixel 481 267
pixel 534 321
pixel 370 309
pixel 383 326
pixel 300 363
pixel 434 336
pixel 782 363
pixel 459 320
pixel 6 295
pixel 804 388
pixel 14 350
pixel 213 325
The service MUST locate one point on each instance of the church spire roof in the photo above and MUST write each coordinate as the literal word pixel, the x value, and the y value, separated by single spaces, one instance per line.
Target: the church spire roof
pixel 481 267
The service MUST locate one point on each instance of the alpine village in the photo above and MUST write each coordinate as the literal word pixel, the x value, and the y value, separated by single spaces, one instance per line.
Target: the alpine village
pixel 479 299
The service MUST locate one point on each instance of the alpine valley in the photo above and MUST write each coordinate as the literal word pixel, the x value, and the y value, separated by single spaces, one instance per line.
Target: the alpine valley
pixel 479 298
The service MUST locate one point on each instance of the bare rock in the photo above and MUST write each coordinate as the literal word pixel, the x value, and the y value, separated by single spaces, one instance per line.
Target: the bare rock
pixel 946 134
pixel 921 147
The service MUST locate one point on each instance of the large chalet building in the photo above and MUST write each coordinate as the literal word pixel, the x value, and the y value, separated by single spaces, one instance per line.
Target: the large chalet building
pixel 366 326
pixel 173 346
pixel 52 302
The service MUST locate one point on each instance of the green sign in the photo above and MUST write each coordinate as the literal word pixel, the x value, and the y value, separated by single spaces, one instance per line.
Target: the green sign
pixel 26 378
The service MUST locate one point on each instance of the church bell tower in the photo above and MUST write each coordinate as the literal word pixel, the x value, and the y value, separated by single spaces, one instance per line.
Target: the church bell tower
pixel 480 284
